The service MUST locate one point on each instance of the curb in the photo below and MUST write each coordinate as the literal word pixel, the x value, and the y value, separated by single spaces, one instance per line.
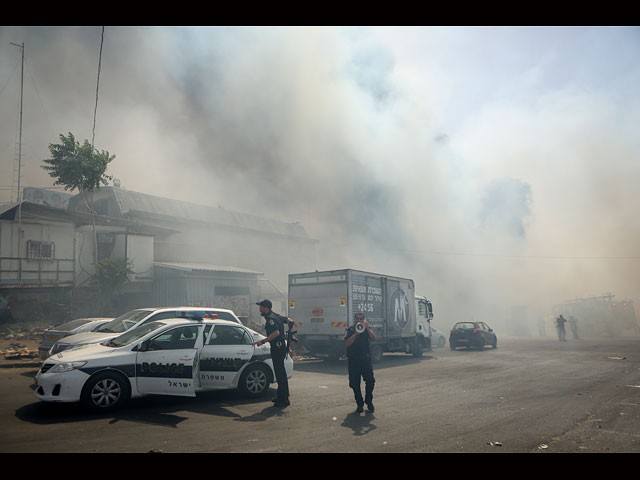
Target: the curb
pixel 21 365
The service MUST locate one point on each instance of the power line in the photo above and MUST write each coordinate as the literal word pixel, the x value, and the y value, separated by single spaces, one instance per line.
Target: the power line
pixel 95 111
pixel 498 255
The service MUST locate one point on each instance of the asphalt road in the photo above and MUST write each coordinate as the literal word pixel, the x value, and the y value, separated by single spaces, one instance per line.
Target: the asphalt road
pixel 530 395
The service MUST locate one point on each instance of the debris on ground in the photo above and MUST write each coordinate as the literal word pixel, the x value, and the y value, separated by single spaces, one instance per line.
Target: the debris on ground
pixel 17 351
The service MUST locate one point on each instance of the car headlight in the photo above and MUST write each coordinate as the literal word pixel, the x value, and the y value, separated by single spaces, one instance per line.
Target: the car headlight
pixel 66 367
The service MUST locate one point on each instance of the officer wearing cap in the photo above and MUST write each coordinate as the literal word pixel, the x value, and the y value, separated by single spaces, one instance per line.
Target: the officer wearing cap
pixel 275 336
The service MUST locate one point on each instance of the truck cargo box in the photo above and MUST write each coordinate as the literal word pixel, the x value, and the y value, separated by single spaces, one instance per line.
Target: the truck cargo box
pixel 323 304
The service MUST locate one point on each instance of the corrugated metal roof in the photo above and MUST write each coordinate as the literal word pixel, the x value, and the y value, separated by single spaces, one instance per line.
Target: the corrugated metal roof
pixel 134 202
pixel 208 267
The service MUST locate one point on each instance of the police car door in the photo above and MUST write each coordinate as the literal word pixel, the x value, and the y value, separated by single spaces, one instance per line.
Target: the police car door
pixel 166 363
pixel 226 351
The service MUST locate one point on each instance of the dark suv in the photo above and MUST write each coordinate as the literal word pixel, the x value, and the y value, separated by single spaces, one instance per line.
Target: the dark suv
pixel 472 334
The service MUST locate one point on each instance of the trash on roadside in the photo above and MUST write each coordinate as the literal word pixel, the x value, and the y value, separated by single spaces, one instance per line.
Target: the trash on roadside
pixel 617 358
pixel 17 351
pixel 543 446
pixel 495 444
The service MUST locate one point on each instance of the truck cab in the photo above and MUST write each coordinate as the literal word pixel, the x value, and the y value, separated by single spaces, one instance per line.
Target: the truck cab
pixel 424 311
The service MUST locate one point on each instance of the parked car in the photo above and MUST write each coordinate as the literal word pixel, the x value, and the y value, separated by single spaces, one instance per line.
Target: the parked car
pixel 179 356
pixel 472 334
pixel 438 339
pixel 52 334
pixel 135 318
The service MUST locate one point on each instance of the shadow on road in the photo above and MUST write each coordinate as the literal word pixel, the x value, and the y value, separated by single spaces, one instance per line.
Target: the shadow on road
pixel 152 410
pixel 339 367
pixel 359 423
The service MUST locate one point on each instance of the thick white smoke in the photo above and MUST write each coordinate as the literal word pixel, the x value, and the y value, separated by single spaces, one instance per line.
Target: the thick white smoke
pixel 480 162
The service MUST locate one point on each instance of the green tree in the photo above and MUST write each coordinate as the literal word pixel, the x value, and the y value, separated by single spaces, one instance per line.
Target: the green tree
pixel 111 275
pixel 77 166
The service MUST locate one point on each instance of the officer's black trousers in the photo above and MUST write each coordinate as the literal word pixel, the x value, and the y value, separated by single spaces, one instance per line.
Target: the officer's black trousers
pixel 278 355
pixel 361 367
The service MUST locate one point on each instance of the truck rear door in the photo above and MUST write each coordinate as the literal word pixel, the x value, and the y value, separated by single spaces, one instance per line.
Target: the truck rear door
pixel 318 304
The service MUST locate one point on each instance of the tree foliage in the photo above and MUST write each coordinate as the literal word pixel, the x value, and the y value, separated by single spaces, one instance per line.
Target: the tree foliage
pixel 112 274
pixel 77 166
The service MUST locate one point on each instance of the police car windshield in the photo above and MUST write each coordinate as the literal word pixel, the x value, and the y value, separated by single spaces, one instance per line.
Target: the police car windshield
pixel 124 322
pixel 134 334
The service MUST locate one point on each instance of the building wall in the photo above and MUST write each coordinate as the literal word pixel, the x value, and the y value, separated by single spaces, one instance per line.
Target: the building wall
pixel 274 256
pixel 50 269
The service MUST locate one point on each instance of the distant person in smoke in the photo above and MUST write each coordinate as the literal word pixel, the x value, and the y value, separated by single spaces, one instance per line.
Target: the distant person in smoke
pixel 562 334
pixel 573 323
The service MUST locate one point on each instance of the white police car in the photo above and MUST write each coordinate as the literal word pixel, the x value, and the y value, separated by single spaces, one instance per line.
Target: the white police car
pixel 178 356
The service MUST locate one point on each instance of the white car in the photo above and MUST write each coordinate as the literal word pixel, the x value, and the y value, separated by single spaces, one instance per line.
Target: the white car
pixel 132 319
pixel 79 325
pixel 437 338
pixel 167 357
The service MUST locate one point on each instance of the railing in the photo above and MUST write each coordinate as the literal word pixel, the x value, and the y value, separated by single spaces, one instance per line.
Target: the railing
pixel 27 272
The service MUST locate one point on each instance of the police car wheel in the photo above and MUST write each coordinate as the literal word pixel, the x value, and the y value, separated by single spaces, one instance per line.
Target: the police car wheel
pixel 254 381
pixel 105 391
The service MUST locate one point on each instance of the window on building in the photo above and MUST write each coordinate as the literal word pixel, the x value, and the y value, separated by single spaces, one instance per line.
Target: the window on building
pixel 40 250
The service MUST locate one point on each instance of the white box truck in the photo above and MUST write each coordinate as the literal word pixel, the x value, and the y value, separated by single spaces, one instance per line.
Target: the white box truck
pixel 323 304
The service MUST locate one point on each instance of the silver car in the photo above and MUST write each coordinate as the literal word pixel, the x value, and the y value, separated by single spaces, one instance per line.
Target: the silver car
pixel 135 318
pixel 52 334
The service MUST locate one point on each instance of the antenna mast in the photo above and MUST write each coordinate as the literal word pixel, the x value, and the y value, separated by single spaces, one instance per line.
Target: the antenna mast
pixel 19 197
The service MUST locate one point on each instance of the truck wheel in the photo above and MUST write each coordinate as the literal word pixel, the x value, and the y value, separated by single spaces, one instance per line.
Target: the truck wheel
pixel 254 381
pixel 376 353
pixel 417 347
pixel 105 391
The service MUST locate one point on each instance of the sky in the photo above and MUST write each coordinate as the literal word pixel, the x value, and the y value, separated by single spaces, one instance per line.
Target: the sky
pixel 496 166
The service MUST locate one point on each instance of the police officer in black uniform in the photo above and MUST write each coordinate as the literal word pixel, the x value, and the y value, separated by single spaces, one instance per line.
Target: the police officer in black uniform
pixel 359 361
pixel 275 328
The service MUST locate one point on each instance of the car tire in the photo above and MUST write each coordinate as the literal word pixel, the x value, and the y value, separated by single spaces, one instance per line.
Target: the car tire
pixel 452 346
pixel 495 343
pixel 481 344
pixel 255 381
pixel 105 391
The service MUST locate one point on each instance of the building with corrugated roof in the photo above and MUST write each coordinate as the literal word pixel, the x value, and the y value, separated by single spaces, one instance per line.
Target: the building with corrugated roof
pixel 182 253
pixel 190 234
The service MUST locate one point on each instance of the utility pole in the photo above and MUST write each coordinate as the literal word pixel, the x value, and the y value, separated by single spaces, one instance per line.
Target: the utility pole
pixel 19 197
